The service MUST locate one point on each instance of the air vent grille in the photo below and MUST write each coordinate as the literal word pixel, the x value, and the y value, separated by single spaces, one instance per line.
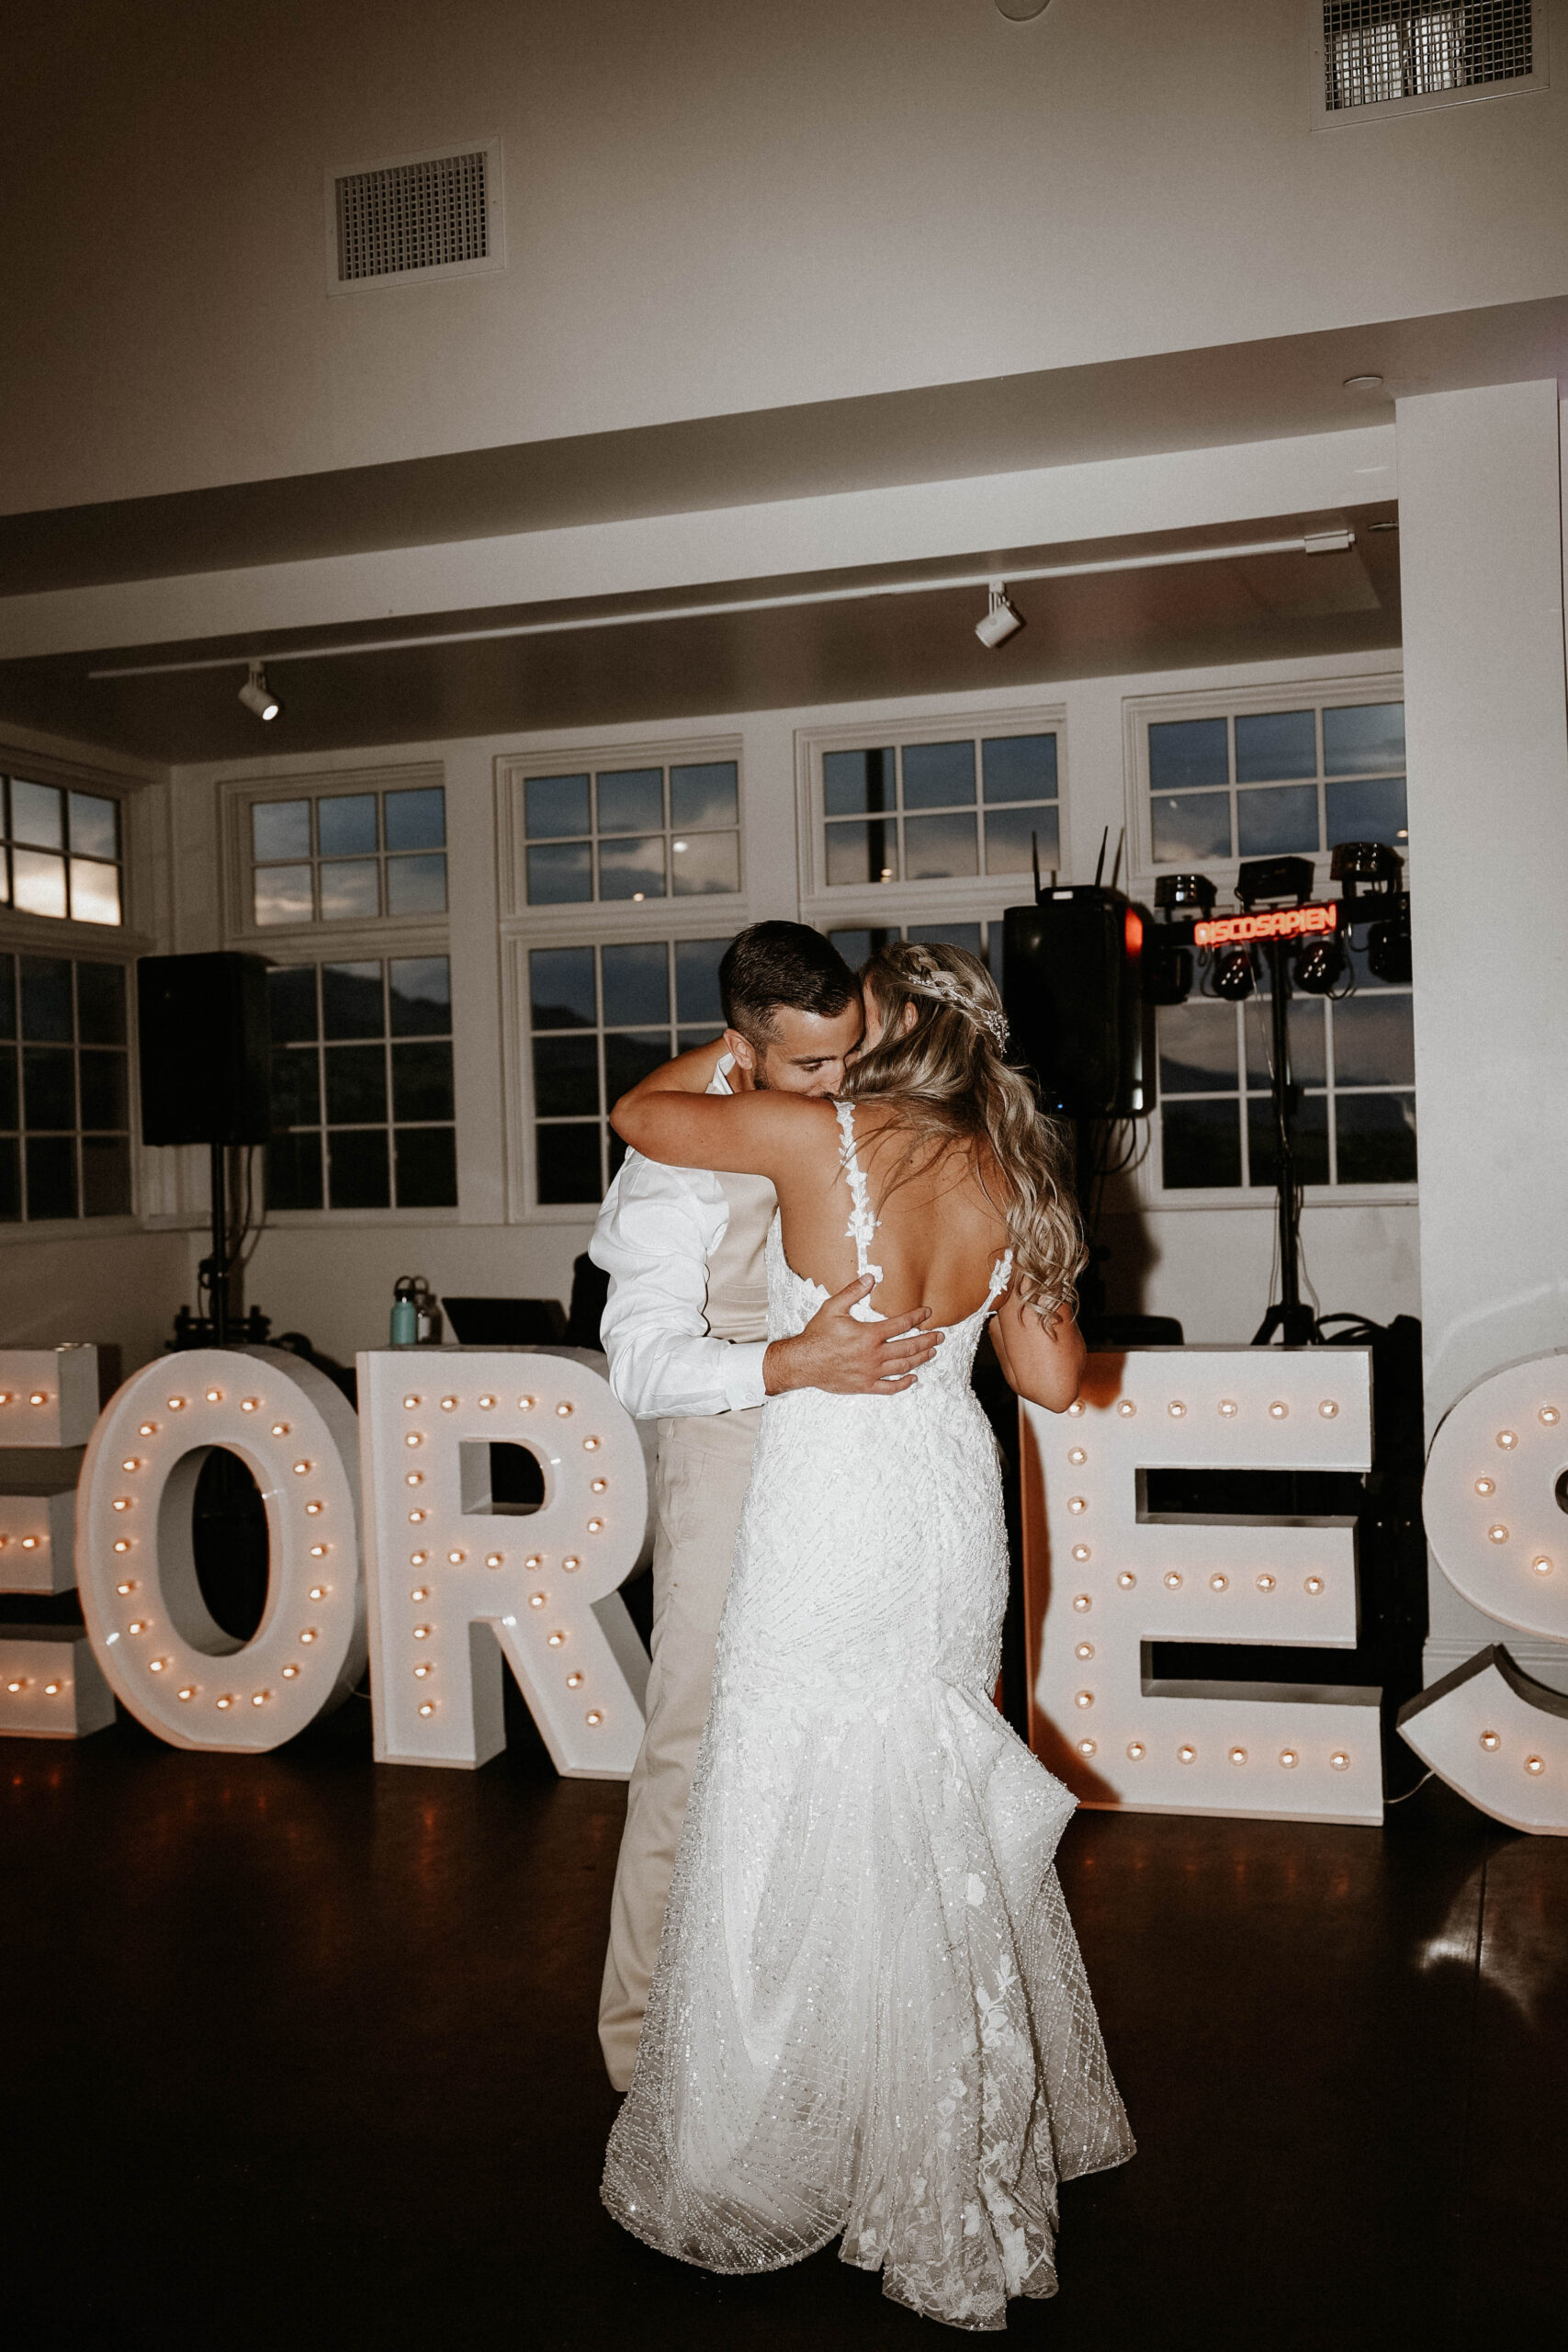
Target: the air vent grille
pixel 434 214
pixel 1375 51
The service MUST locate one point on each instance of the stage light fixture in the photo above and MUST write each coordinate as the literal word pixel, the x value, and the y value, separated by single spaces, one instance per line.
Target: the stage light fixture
pixel 1001 620
pixel 1388 943
pixel 257 695
pixel 1319 964
pixel 1233 974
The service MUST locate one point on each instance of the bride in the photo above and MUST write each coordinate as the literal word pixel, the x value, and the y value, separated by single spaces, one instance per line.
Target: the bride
pixel 869 2019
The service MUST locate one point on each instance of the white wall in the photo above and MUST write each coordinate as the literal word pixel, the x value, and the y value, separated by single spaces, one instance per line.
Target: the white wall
pixel 710 209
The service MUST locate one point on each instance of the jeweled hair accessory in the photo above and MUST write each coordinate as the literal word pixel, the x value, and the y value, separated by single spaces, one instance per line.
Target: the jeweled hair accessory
pixel 941 984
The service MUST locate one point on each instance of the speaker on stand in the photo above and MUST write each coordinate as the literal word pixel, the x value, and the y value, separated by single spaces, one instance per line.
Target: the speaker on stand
pixel 204 1067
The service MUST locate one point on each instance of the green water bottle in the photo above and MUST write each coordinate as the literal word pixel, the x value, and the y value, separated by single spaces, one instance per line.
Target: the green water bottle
pixel 405 1312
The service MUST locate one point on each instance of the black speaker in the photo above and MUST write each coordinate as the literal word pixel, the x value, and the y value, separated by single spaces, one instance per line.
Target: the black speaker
pixel 205 1051
pixel 1071 982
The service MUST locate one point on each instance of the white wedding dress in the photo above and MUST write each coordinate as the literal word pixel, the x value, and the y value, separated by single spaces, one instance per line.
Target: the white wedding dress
pixel 869 2017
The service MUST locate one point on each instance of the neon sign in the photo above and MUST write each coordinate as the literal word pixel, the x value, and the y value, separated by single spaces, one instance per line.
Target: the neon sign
pixel 1280 922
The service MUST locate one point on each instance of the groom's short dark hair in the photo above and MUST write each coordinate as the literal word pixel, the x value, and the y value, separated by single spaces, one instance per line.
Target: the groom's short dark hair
pixel 775 963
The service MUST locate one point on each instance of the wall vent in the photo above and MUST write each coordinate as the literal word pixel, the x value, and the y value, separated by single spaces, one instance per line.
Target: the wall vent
pixel 1380 52
pixel 422 217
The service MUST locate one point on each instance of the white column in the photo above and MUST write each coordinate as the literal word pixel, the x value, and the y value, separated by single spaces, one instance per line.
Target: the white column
pixel 1481 538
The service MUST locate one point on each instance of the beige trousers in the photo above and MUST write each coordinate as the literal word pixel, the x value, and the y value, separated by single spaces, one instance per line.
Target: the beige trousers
pixel 705 1468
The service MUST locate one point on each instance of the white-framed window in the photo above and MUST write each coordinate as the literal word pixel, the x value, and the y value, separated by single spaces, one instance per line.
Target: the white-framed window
pixel 363 1109
pixel 333 852
pixel 64 1088
pixel 923 808
pixel 601 1015
pixel 1219 778
pixel 630 830
pixel 856 942
pixel 61 853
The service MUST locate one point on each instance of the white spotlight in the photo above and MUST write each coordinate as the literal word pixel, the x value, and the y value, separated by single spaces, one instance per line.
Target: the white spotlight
pixel 257 695
pixel 1001 620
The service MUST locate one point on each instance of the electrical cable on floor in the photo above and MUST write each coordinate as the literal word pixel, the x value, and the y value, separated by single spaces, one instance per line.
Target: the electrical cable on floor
pixel 1410 1793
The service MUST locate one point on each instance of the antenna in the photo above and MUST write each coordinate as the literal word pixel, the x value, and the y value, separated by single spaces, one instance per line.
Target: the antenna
pixel 1120 845
pixel 1099 867
pixel 1034 857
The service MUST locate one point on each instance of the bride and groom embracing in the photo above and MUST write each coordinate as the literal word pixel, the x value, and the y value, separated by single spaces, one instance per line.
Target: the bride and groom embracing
pixel 843 1992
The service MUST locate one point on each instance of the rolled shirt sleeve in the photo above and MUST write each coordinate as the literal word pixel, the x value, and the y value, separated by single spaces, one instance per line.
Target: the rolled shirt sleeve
pixel 655 1234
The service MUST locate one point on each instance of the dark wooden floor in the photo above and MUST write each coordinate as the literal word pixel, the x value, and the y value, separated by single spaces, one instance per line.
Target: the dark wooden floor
pixel 300 2051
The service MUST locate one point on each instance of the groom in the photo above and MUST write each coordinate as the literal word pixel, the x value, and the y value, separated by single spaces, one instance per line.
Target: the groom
pixel 685 1330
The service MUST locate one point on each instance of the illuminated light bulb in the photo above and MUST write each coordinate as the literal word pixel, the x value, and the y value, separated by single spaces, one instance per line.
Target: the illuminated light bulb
pixel 448 1404
pixel 16 1686
pixel 525 1404
pixel 1082 1552
pixel 1082 1601
pixel 314 1510
pixel 30 1543
pixel 1084 1649
pixel 413 1437
pixel 1542 1566
pixel 420 1592
pixel 1549 1415
pixel 563 1410
pixel 574 1681
pixel 495 1559
pixel 215 1396
pixel 122 1543
pixel 1490 1741
pixel 457 1558
pixel 414 1478
pixel 308 1635
pixel 1288 1759
pixel 318 1551
pixel 534 1561
pixel 593 1718
pixel 591 1444
pixel 597 1486
pixel 137 1625
pixel 1078 1504
pixel 486 1404
pixel 1085 1748
pixel 280 1429
pixel 1229 1407
pixel 1339 1761
pixel 1496 1534
pixel 125 1587
pixel 422 1633
pixel 52 1690
pixel 225 1702
pixel 1486 1485
pixel 1126 1408
pixel 291 1673
pixel 1506 1439
pixel 188 1691
pixel 422 1670
pixel 427 1707
pixel 148 1428
pixel 1135 1751
pixel 418 1559
pixel 1329 1411
pixel 1083 1698
pixel 1177 1409
pixel 1077 1456
pixel 555 1640
pixel 1127 1580
pixel 156 1665
pixel 1266 1584
pixel 300 1469
pixel 1238 1755
pixel 249 1404
pixel 1218 1584
pixel 409 1404
pixel 416 1518
pixel 1186 1755
pixel 318 1592
pixel 131 1463
pixel 1173 1579
pixel 537 1600
pixel 260 1698
pixel 570 1562
pixel 6 1397
pixel 1312 1585
pixel 122 1502
pixel 1536 1764
pixel 1277 1409
pixel 595 1527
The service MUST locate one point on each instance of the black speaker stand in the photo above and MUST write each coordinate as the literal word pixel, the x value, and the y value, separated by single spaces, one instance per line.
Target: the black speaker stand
pixel 212 1275
pixel 1288 1314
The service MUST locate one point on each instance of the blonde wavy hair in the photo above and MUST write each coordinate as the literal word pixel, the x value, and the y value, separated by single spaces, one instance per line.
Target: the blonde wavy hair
pixel 947 1077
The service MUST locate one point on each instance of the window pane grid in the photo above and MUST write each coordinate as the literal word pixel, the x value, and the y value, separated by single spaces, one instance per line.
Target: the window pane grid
pixel 64 1089
pixel 600 1018
pixel 630 835
pixel 861 941
pixel 937 812
pixel 60 852
pixel 1264 784
pixel 348 856
pixel 363 1113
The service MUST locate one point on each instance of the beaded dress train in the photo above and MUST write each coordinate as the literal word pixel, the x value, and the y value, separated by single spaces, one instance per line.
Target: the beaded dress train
pixel 869 2017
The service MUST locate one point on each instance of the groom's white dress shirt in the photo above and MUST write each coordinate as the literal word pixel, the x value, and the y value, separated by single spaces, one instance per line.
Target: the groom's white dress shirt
pixel 658 1237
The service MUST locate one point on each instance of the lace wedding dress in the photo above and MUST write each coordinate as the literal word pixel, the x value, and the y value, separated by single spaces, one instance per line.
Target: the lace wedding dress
pixel 869 2017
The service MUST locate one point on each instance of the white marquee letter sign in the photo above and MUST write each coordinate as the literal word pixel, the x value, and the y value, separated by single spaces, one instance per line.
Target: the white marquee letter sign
pixel 447 1569
pixel 50 1684
pixel 1494 1498
pixel 1102 1577
pixel 167 1659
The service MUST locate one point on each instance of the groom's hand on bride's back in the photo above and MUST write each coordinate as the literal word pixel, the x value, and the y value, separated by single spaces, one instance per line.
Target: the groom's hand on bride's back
pixel 848 1358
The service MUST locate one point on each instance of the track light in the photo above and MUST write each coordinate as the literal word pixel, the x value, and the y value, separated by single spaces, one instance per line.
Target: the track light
pixel 257 695
pixel 1002 620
